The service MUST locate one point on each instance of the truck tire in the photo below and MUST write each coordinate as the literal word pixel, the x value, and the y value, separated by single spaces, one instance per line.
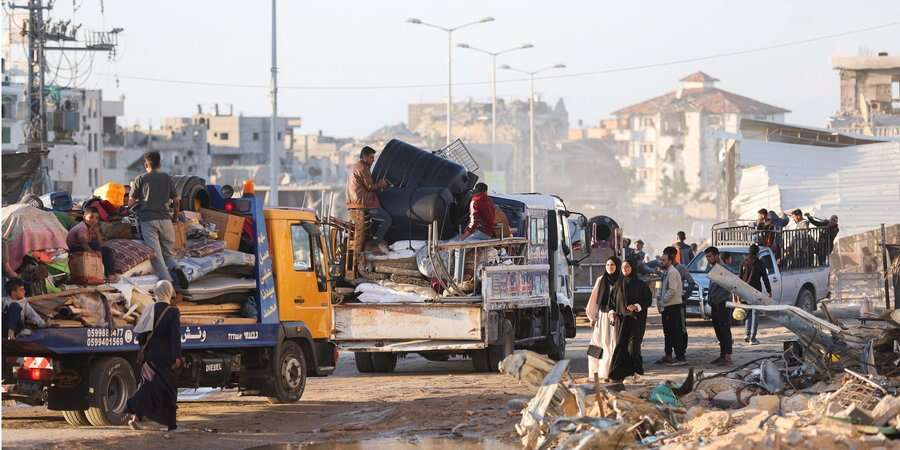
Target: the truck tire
pixel 290 374
pixel 384 362
pixel 806 299
pixel 488 359
pixel 112 381
pixel 556 344
pixel 363 362
pixel 76 418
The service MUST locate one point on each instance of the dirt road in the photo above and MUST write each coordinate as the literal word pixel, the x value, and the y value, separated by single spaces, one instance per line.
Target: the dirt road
pixel 421 399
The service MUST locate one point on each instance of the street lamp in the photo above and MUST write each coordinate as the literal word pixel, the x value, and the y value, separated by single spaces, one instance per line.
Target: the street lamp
pixel 531 75
pixel 449 32
pixel 493 56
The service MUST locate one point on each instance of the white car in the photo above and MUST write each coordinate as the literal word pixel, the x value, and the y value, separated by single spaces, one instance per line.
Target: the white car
pixel 798 287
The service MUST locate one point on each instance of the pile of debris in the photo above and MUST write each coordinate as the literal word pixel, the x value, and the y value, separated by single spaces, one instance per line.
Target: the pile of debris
pixel 754 406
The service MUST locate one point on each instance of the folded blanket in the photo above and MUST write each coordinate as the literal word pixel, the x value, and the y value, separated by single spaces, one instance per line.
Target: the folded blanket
pixel 195 268
pixel 27 229
pixel 127 254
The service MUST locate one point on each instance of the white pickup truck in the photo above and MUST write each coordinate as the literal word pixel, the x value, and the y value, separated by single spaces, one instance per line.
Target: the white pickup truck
pixel 796 262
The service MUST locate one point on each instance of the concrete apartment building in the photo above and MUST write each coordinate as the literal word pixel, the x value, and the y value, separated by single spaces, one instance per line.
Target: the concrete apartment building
pixel 673 142
pixel 241 140
pixel 870 95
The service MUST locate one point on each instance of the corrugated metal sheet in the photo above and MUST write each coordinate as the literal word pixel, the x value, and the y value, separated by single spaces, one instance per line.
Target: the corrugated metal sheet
pixel 861 184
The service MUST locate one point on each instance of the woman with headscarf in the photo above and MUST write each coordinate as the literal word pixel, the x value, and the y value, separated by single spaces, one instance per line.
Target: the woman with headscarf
pixel 637 297
pixel 605 310
pixel 159 333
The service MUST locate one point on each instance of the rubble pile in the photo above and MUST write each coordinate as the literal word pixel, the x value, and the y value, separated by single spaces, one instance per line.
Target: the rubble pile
pixel 764 404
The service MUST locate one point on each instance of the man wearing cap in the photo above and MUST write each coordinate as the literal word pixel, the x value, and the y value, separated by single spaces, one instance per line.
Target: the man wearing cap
pixel 721 314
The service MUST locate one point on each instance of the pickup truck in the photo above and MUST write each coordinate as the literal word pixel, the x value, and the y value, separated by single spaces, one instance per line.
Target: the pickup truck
pixel 797 267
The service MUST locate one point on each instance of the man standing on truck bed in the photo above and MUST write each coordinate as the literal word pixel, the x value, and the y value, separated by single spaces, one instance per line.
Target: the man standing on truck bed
pixel 361 194
pixel 151 191
pixel 669 303
pixel 482 222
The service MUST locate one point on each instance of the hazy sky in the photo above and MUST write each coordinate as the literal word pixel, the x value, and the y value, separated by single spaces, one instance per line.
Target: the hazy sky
pixel 352 43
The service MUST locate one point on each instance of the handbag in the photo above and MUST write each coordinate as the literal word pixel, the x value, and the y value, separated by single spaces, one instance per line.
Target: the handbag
pixel 595 351
pixel 140 356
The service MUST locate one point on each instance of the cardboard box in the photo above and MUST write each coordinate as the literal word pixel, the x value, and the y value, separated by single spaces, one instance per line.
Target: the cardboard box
pixel 228 227
pixel 180 236
pixel 86 268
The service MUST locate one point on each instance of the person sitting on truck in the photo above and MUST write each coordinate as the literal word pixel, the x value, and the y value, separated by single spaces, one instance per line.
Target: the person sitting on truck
pixel 151 192
pixel 482 222
pixel 16 310
pixel 670 304
pixel 753 272
pixel 797 221
pixel 362 195
pixel 86 237
pixel 684 253
pixel 721 314
pixel 159 333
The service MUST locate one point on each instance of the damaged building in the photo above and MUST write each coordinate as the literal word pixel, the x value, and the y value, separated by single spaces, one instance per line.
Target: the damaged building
pixel 870 95
pixel 674 141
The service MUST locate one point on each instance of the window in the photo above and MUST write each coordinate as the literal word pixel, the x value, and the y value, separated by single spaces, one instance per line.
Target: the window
pixel 769 263
pixel 223 136
pixel 648 122
pixel 7 108
pixel 255 136
pixel 279 136
pixel 7 136
pixel 300 244
pixel 714 121
pixel 646 149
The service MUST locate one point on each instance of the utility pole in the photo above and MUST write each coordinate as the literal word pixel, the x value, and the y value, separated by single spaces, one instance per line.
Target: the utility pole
pixel 273 152
pixel 39 32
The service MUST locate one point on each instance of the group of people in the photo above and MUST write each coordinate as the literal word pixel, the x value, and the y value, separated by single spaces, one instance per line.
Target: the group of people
pixel 769 225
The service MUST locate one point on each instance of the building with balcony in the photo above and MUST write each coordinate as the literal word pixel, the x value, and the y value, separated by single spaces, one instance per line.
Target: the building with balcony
pixel 674 142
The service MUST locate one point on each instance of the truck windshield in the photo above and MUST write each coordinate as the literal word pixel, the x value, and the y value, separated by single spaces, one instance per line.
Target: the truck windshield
pixel 731 259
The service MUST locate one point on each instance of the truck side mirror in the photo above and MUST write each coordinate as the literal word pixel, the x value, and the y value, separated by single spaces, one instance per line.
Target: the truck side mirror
pixel 580 248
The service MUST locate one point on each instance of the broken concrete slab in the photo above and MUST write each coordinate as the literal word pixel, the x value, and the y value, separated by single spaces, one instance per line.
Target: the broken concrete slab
pixel 767 403
pixel 726 399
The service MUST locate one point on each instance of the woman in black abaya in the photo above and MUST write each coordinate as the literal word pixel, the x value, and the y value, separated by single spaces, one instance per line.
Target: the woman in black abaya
pixel 159 334
pixel 636 297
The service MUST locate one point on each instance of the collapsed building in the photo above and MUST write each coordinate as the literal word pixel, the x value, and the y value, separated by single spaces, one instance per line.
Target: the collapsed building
pixel 870 95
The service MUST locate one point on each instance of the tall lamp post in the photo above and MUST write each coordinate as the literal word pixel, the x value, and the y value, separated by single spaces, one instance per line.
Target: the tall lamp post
pixel 494 56
pixel 449 32
pixel 531 75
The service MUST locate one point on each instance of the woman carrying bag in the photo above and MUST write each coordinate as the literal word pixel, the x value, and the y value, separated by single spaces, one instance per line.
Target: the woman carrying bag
pixel 159 333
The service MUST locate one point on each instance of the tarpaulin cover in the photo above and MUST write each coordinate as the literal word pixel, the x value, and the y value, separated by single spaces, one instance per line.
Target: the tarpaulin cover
pixel 27 229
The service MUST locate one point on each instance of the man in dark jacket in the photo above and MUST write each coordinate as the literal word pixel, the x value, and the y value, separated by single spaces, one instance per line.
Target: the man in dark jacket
pixel 754 273
pixel 721 314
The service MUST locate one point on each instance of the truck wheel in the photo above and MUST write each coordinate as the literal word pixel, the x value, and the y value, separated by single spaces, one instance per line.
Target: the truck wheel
pixel 112 381
pixel 290 374
pixel 488 359
pixel 806 299
pixel 384 362
pixel 76 418
pixel 363 362
pixel 557 342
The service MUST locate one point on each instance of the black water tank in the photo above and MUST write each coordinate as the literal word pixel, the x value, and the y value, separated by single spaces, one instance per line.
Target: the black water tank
pixel 425 188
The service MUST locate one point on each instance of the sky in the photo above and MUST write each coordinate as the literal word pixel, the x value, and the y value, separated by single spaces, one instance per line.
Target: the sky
pixel 335 45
